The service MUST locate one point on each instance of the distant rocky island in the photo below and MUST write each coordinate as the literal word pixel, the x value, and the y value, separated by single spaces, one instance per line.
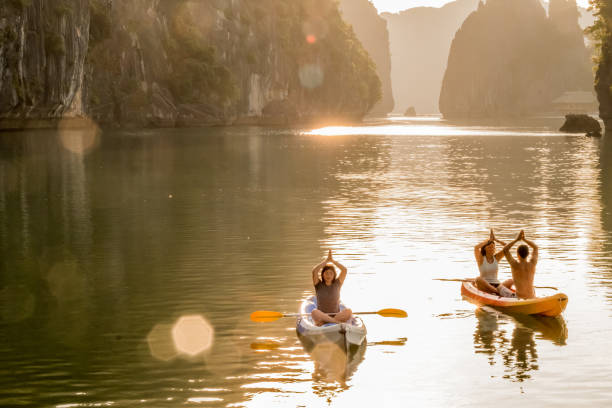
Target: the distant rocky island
pixel 181 62
pixel 510 58
pixel 420 42
pixel 371 30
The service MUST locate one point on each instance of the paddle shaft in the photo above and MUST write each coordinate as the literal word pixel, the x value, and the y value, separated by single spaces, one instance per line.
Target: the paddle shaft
pixel 270 316
pixel 472 280
pixel 329 314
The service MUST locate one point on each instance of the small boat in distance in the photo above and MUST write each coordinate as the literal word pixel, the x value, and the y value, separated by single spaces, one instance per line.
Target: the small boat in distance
pixel 546 306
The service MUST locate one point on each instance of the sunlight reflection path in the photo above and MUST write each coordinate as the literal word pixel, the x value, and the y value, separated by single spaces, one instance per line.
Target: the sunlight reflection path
pixel 426 130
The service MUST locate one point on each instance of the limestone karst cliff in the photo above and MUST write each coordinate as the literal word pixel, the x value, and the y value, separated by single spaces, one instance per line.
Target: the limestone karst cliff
pixel 43 48
pixel 420 40
pixel 601 33
pixel 510 59
pixel 371 30
pixel 181 62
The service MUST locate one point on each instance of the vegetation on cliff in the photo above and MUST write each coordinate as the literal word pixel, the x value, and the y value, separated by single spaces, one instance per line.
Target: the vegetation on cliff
pixel 601 33
pixel 371 30
pixel 178 62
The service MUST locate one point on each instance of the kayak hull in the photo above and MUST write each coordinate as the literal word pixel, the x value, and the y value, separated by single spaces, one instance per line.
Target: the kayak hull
pixel 352 332
pixel 544 306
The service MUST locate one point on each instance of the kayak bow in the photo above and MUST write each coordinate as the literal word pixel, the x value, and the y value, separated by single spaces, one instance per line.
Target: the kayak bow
pixel 546 306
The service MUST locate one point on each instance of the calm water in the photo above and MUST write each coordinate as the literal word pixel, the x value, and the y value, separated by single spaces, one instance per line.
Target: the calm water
pixel 111 246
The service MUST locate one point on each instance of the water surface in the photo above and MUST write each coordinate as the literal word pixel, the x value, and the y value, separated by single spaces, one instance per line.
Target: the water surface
pixel 106 242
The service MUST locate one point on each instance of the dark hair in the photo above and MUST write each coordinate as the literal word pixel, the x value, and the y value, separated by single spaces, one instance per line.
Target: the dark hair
pixel 326 267
pixel 523 251
pixel 483 249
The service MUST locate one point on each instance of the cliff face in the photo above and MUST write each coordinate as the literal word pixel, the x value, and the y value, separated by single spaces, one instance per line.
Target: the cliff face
pixel 181 62
pixel 510 59
pixel 42 57
pixel 601 33
pixel 420 41
pixel 371 30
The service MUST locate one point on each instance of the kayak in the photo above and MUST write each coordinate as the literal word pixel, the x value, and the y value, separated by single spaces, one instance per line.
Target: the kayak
pixel 352 333
pixel 546 306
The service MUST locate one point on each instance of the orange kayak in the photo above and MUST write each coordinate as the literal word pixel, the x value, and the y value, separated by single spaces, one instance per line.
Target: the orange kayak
pixel 546 306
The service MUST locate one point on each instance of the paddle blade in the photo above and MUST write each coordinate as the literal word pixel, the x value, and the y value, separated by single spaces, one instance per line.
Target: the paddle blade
pixel 265 316
pixel 392 313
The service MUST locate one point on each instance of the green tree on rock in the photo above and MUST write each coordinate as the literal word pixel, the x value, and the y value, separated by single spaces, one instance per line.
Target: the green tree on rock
pixel 601 33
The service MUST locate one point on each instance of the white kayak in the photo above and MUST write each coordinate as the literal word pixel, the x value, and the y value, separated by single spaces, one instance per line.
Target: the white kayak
pixel 352 332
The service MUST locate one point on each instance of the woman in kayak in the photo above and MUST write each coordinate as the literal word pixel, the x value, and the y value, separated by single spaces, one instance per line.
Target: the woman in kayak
pixel 488 263
pixel 327 288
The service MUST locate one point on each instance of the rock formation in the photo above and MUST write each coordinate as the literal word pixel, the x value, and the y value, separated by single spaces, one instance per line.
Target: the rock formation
pixel 371 30
pixel 581 124
pixel 510 59
pixel 420 40
pixel 43 48
pixel 602 35
pixel 181 62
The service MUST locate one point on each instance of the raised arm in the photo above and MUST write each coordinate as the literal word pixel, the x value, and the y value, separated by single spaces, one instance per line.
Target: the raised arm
pixel 507 247
pixel 316 271
pixel 534 254
pixel 478 247
pixel 500 254
pixel 343 270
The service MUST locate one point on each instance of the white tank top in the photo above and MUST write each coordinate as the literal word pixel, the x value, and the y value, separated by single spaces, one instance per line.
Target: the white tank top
pixel 488 271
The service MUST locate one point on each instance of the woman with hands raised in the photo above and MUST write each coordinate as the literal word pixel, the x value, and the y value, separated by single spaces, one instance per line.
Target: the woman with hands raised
pixel 327 287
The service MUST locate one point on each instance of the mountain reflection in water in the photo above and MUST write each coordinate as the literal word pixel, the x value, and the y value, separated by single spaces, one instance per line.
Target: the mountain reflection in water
pixel 517 351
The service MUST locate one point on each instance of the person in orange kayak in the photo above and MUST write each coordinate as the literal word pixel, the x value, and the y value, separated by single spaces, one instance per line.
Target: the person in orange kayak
pixel 327 287
pixel 488 264
pixel 523 270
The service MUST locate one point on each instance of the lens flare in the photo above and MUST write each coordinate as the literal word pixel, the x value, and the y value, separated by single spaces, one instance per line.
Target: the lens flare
pixel 161 344
pixel 316 28
pixel 66 281
pixel 311 76
pixel 79 137
pixel 192 335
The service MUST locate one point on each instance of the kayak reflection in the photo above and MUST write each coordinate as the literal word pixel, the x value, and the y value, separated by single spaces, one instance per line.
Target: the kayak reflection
pixel 518 352
pixel 335 361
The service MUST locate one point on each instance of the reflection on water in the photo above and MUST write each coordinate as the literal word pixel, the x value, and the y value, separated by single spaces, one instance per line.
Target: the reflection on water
pixel 334 364
pixel 606 210
pixel 106 245
pixel 517 351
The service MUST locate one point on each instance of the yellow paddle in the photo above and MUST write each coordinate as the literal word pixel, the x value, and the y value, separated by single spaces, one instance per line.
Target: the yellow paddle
pixel 472 280
pixel 265 316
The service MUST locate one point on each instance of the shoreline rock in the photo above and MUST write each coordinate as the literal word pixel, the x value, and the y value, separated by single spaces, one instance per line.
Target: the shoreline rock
pixel 581 124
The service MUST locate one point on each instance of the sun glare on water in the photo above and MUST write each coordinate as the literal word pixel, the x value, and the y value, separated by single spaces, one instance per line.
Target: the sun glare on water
pixel 424 130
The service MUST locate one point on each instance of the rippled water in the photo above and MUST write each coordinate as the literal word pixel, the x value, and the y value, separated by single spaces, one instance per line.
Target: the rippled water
pixel 108 242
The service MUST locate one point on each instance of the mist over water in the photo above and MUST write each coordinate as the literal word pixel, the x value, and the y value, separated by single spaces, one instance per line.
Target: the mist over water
pixel 128 270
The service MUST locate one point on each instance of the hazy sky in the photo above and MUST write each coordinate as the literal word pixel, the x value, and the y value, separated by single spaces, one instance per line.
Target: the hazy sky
pixel 397 5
